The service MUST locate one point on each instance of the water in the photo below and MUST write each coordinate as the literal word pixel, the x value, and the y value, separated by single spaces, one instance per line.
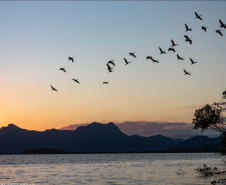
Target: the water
pixel 101 169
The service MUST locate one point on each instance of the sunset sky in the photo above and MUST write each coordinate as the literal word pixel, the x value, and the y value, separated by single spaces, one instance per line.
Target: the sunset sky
pixel 37 37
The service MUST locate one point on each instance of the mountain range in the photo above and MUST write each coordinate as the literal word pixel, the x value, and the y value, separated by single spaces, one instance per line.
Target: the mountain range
pixel 96 137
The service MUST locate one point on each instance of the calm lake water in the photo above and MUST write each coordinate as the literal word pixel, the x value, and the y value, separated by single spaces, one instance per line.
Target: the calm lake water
pixel 98 169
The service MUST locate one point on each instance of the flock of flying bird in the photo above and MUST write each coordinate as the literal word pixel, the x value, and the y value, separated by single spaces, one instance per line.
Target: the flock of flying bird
pixel 110 64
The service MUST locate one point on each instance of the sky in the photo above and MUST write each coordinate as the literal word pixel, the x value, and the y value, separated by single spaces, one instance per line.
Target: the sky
pixel 37 37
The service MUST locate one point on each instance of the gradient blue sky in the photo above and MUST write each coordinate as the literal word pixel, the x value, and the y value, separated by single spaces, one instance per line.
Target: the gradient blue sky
pixel 37 38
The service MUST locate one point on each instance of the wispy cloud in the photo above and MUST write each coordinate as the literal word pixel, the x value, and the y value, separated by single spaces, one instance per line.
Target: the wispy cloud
pixel 146 128
pixel 72 127
pixel 190 107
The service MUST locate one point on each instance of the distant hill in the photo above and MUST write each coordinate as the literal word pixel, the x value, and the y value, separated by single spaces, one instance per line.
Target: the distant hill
pixel 95 137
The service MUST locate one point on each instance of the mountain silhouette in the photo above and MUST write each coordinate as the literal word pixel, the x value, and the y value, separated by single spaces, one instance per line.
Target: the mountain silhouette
pixel 95 137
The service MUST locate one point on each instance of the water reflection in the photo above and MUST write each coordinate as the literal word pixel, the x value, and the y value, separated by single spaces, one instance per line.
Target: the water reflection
pixel 100 169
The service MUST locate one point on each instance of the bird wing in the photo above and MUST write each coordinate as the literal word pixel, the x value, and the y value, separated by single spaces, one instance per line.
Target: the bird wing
pixel 53 88
pixel 197 15
pixel 172 42
pixel 110 62
pixel 221 22
pixel 125 61
pixel 109 68
pixel 187 72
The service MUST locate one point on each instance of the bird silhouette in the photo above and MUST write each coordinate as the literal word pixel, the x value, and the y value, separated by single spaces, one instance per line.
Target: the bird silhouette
pixel 173 43
pixel 53 89
pixel 76 80
pixel 111 62
pixel 71 58
pixel 171 49
pixel 219 32
pixel 132 54
pixel 126 62
pixel 106 82
pixel 161 51
pixel 179 58
pixel 188 39
pixel 222 25
pixel 198 16
pixel 63 69
pixel 109 68
pixel 187 29
pixel 192 61
pixel 203 28
pixel 149 57
pixel 186 73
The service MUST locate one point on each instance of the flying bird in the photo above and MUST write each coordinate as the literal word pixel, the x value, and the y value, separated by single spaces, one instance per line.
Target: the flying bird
pixel 179 58
pixel 62 69
pixel 106 82
pixel 186 73
pixel 161 51
pixel 171 49
pixel 132 54
pixel 71 58
pixel 111 62
pixel 53 89
pixel 203 28
pixel 126 62
pixel 187 29
pixel 192 61
pixel 109 68
pixel 76 80
pixel 198 16
pixel 222 25
pixel 173 43
pixel 149 57
pixel 188 39
pixel 219 32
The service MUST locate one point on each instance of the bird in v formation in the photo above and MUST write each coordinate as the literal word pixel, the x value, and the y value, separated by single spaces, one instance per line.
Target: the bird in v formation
pixel 76 80
pixel 109 68
pixel 187 28
pixel 219 32
pixel 203 28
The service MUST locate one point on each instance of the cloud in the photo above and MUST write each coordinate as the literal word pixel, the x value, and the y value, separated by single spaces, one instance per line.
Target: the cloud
pixel 146 128
pixel 191 107
pixel 72 127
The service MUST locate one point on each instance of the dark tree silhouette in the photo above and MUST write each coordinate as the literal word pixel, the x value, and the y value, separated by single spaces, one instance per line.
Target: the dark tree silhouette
pixel 212 117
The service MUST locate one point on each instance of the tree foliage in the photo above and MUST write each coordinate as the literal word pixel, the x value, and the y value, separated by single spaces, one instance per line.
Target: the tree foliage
pixel 212 116
pixel 207 171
